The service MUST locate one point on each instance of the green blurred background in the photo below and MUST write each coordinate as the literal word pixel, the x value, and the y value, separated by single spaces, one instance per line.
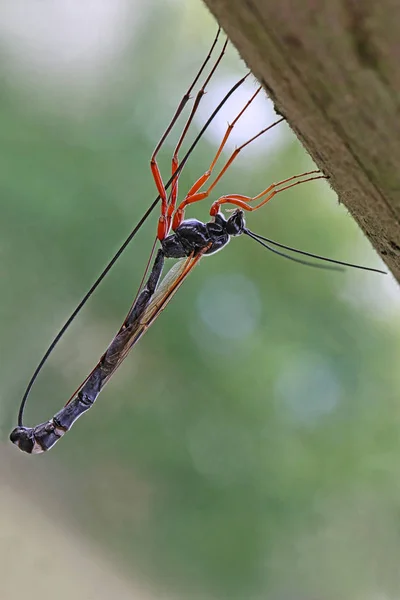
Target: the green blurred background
pixel 249 446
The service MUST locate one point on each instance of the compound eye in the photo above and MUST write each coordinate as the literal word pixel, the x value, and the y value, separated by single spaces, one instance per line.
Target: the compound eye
pixel 236 223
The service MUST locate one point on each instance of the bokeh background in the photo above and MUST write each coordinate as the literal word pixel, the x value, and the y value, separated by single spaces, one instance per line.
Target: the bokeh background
pixel 249 446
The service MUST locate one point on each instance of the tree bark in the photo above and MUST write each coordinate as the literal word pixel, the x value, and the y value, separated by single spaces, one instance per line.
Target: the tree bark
pixel 333 70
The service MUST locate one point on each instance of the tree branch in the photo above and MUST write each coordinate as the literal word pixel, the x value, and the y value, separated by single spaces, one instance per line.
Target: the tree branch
pixel 333 71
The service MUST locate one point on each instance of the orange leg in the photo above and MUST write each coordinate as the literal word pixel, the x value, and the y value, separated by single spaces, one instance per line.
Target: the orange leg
pixel 153 162
pixel 175 161
pixel 194 195
pixel 271 191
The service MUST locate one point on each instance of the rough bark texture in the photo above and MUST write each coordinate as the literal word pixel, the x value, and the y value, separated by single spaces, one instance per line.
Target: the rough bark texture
pixel 333 70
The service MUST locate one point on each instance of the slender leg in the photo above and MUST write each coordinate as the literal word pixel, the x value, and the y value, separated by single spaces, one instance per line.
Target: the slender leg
pixel 153 162
pixel 269 192
pixel 194 195
pixel 175 160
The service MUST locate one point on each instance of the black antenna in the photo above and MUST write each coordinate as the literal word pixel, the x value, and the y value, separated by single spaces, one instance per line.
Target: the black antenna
pixel 119 252
pixel 258 237
pixel 297 260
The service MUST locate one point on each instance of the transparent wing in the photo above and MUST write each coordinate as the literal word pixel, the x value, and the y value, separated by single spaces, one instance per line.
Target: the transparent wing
pixel 165 291
pixel 127 337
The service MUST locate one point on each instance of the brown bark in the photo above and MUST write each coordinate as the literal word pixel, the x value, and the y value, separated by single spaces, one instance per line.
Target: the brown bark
pixel 333 70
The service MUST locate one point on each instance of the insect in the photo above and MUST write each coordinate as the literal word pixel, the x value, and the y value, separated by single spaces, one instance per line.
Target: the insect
pixel 188 240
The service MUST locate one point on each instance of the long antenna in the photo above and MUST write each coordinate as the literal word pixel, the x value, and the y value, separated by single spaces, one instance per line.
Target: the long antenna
pixel 317 256
pixel 293 258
